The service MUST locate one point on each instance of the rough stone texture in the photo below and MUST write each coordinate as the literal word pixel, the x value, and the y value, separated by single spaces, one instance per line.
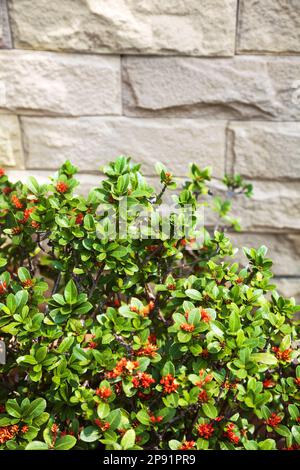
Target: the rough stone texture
pixel 65 84
pixel 91 142
pixel 194 27
pixel 274 206
pixel 269 26
pixel 5 36
pixel 11 153
pixel 289 288
pixel 242 87
pixel 283 249
pixel 265 150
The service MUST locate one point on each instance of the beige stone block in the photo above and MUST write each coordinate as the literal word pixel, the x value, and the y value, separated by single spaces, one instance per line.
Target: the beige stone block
pixel 269 26
pixel 265 150
pixel 207 27
pixel 91 142
pixel 11 153
pixel 59 84
pixel 238 88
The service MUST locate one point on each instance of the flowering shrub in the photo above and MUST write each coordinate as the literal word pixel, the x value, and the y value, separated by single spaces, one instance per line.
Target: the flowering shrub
pixel 138 343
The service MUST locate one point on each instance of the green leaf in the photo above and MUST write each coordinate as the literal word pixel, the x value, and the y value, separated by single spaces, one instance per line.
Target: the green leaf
pixel 296 433
pixel 33 185
pixel 89 223
pixel 23 274
pixel 90 434
pixel 66 344
pixel 143 417
pixel 71 292
pixel 103 410
pixel 282 430
pixel 36 408
pixel 264 358
pixel 128 440
pixel 193 294
pixel 65 443
pixel 41 353
pixel 114 419
pixel 168 368
pixel 36 445
pixel 174 445
pixel 13 409
pixel 234 322
pixel 26 360
pixel 210 410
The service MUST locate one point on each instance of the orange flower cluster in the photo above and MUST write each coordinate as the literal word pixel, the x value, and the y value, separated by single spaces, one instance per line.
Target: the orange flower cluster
pixel 26 214
pixel 203 397
pixel 123 367
pixel 142 380
pixel 8 432
pixel 205 430
pixel 79 218
pixel 27 284
pixel 282 355
pixel 269 383
pixel 205 315
pixel 156 419
pixel 230 434
pixel 16 202
pixel 103 392
pixel 187 445
pixel 62 187
pixel 187 327
pixel 273 420
pixel 149 350
pixel 297 381
pixel 3 287
pixel 103 425
pixel 2 172
pixel 169 383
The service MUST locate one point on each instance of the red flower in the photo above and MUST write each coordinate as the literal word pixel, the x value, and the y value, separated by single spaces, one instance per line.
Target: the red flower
pixel 54 428
pixel 16 230
pixel 8 432
pixel 123 367
pixel 62 187
pixel 148 350
pixel 230 434
pixel 24 429
pixel 187 445
pixel 16 202
pixel 273 420
pixel 117 303
pixel 205 353
pixel 187 327
pixel 26 213
pixel 103 392
pixel 27 284
pixel 284 356
pixel 103 425
pixel 152 339
pixel 269 383
pixel 297 381
pixel 79 218
pixel 205 316
pixel 35 224
pixel 205 430
pixel 142 380
pixel 3 286
pixel 169 383
pixel 171 286
pixel 203 397
pixel 7 190
pixel 2 172
pixel 156 419
pixel 92 345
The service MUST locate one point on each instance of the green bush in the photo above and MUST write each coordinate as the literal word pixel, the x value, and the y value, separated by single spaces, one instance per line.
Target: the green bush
pixel 136 343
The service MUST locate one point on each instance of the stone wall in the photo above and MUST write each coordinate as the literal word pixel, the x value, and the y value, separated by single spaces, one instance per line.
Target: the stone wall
pixel 211 81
